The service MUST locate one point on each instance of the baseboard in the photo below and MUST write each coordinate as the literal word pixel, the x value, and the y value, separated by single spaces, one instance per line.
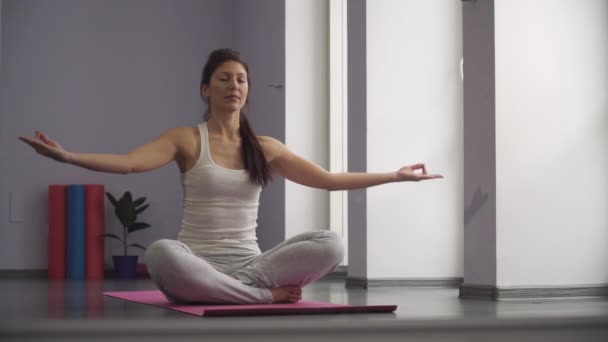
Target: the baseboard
pixel 43 274
pixel 23 274
pixel 364 283
pixel 339 274
pixel 534 292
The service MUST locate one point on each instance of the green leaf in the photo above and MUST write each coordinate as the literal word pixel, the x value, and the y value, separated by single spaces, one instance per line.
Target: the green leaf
pixel 112 199
pixel 139 202
pixel 140 210
pixel 110 235
pixel 125 210
pixel 138 246
pixel 137 226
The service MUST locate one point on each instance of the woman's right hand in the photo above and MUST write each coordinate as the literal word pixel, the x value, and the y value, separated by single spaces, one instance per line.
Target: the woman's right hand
pixel 47 147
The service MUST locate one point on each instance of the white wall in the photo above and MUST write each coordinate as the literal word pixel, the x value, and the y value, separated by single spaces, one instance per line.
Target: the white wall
pixel 307 108
pixel 552 142
pixel 414 114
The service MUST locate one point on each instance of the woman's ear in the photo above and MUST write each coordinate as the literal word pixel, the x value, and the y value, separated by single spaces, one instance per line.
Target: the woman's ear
pixel 205 91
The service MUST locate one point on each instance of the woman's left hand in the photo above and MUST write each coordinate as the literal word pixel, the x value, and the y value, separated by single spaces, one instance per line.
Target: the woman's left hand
pixel 408 173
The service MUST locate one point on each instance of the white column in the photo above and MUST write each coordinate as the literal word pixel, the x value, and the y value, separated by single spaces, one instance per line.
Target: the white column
pixel 536 148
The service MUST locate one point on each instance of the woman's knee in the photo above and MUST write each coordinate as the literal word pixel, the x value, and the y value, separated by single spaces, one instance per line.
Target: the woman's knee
pixel 333 245
pixel 163 251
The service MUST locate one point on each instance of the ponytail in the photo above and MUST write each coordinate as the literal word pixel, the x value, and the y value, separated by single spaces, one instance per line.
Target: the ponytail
pixel 253 155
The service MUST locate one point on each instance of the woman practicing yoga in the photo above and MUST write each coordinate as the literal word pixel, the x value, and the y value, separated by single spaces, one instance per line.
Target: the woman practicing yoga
pixel 224 166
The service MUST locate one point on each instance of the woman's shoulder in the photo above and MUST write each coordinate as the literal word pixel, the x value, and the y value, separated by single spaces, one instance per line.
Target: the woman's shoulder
pixel 272 147
pixel 185 139
pixel 267 139
pixel 269 142
pixel 182 133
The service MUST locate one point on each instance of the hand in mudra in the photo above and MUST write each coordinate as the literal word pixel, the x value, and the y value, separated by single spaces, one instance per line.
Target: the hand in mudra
pixel 47 147
pixel 408 173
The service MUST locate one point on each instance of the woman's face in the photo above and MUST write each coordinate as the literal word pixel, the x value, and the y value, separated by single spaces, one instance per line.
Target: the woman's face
pixel 227 89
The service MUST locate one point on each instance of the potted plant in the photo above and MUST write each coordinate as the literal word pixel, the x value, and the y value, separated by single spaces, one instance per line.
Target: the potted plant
pixel 127 210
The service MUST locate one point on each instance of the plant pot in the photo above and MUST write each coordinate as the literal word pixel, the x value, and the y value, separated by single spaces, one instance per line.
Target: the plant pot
pixel 125 266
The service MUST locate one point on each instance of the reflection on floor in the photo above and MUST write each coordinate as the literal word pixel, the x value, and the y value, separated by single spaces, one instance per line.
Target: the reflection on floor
pixel 59 309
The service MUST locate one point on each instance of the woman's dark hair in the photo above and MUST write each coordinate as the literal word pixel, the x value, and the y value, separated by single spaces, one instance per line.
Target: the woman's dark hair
pixel 252 153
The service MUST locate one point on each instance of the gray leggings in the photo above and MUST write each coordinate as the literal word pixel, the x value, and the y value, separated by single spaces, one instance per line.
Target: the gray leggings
pixel 184 277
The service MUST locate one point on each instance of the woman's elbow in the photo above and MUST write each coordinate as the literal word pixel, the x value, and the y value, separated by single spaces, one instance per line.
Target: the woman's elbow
pixel 334 188
pixel 127 169
pixel 132 164
pixel 330 183
pixel 134 168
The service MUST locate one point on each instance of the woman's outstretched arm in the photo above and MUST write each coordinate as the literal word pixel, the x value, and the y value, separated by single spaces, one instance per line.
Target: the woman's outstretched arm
pixel 299 170
pixel 147 157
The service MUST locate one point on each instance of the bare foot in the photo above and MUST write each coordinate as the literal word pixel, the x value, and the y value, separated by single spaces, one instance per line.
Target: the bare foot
pixel 287 294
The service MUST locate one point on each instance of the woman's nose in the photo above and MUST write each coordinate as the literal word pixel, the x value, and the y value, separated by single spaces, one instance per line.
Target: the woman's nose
pixel 234 84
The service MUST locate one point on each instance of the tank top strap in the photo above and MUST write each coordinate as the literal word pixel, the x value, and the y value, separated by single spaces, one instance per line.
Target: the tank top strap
pixel 204 158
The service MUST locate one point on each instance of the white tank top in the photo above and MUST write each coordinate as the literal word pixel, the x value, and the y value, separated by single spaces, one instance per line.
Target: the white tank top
pixel 220 209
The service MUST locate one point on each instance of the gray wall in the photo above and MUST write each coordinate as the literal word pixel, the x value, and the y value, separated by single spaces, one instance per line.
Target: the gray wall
pixel 357 136
pixel 107 76
pixel 261 39
pixel 479 144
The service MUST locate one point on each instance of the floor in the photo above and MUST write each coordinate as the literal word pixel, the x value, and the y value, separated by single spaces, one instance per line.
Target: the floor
pixel 39 302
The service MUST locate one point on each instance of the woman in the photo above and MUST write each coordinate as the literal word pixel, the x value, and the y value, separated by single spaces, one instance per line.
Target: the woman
pixel 224 166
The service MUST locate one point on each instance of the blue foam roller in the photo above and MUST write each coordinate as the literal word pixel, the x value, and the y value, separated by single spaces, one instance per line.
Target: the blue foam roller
pixel 75 254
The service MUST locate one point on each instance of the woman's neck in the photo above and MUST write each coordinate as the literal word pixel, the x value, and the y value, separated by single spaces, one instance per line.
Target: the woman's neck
pixel 225 124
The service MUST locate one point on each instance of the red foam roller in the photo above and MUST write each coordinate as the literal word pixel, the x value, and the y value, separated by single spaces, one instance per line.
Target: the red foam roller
pixel 57 232
pixel 94 306
pixel 94 225
pixel 56 298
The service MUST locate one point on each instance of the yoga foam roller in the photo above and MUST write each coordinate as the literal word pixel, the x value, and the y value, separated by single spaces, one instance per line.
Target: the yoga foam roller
pixel 57 232
pixel 95 225
pixel 56 298
pixel 76 233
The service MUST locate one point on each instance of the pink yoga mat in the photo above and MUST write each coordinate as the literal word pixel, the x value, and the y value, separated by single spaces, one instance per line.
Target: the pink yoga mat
pixel 156 298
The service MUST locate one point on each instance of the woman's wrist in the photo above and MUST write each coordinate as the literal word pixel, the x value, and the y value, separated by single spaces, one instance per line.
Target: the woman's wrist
pixel 69 158
pixel 395 177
